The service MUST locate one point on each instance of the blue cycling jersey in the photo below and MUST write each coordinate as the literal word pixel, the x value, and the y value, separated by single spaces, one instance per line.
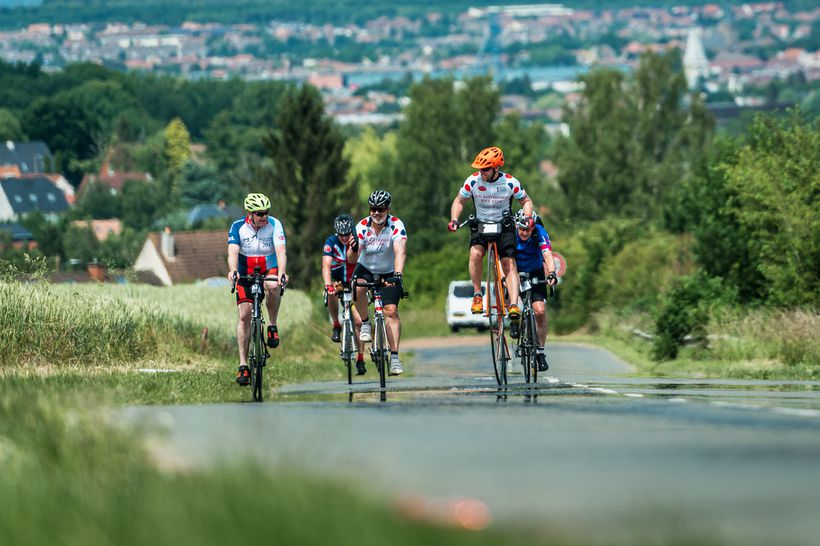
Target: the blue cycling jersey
pixel 528 255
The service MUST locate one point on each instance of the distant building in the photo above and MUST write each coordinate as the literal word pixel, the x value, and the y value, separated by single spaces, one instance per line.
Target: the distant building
pixel 102 229
pixel 112 179
pixel 695 64
pixel 171 258
pixel 19 158
pixel 21 238
pixel 19 196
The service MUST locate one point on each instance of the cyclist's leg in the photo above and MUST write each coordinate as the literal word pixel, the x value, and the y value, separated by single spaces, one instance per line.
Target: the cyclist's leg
pixel 360 303
pixel 540 321
pixel 333 308
pixel 478 248
pixel 506 251
pixel 390 299
pixel 244 308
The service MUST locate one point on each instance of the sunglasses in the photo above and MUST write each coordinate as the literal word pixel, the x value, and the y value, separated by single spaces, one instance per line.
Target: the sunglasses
pixel 486 169
pixel 261 213
pixel 378 209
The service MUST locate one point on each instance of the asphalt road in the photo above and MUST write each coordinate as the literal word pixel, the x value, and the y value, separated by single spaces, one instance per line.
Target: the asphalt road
pixel 590 452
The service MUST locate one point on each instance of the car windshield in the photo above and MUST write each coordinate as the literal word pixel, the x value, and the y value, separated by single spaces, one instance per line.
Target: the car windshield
pixel 464 291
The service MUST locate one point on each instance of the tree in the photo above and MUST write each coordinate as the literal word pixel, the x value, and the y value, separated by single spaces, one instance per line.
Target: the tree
pixel 9 127
pixel 97 201
pixel 307 179
pixel 80 243
pixel 776 181
pixel 631 140
pixel 444 128
pixel 200 184
pixel 68 129
pixel 177 144
pixel 703 208
pixel 142 202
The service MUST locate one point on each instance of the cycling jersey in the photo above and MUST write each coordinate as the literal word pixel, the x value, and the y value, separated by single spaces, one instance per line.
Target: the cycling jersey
pixel 340 269
pixel 376 251
pixel 491 199
pixel 529 255
pixel 256 247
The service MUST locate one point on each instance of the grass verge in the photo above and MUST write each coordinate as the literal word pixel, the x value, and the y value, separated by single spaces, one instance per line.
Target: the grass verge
pixel 144 344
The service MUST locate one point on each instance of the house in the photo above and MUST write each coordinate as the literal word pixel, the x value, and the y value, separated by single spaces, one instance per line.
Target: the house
pixel 112 179
pixel 21 238
pixel 20 158
pixel 102 228
pixel 19 196
pixel 171 258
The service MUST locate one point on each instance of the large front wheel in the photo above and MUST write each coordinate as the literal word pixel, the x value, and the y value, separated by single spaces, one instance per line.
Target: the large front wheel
pixel 495 304
pixel 256 359
pixel 348 348
pixel 379 351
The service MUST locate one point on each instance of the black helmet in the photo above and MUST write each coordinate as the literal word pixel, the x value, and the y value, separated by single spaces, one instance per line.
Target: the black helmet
pixel 379 198
pixel 343 224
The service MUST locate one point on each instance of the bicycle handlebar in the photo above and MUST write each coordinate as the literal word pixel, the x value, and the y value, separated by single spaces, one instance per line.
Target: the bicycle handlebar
pixel 377 283
pixel 261 279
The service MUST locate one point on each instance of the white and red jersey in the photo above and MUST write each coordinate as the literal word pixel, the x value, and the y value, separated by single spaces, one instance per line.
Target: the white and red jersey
pixel 256 247
pixel 492 198
pixel 376 250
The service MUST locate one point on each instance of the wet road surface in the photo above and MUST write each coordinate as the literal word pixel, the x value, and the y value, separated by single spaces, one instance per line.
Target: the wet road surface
pixel 590 451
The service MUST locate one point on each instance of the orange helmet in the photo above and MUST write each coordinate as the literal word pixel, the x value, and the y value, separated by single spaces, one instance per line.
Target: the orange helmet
pixel 489 157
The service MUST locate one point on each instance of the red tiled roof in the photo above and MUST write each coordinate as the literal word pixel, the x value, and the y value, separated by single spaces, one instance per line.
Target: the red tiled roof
pixel 197 254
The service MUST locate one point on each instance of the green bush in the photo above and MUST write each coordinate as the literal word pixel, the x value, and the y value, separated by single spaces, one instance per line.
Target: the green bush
pixel 684 313
pixel 644 269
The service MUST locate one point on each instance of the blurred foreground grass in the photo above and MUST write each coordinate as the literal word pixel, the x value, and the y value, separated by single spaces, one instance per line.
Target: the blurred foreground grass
pixel 72 478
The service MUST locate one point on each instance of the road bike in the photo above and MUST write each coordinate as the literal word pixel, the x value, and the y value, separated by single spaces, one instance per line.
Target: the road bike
pixel 495 306
pixel 257 348
pixel 379 349
pixel 347 339
pixel 527 347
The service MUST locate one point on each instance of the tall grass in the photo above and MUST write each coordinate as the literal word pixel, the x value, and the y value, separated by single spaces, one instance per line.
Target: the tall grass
pixel 741 343
pixel 63 329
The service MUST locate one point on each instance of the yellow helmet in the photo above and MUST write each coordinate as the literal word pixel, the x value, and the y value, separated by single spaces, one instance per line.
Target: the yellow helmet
pixel 255 202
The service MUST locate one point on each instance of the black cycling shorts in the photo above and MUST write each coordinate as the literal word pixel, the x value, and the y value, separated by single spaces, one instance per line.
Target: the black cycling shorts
pixel 539 291
pixel 505 241
pixel 390 294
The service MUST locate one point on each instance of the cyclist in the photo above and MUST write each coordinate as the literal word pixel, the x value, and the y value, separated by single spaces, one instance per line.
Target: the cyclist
pixel 492 192
pixel 336 272
pixel 534 256
pixel 257 240
pixel 382 245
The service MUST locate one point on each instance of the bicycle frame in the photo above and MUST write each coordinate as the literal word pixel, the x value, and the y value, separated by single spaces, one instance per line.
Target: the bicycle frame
pixel 347 346
pixel 528 340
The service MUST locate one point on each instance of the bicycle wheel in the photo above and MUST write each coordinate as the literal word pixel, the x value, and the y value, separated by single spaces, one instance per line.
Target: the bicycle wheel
pixel 347 350
pixel 382 353
pixel 256 359
pixel 525 348
pixel 532 341
pixel 495 297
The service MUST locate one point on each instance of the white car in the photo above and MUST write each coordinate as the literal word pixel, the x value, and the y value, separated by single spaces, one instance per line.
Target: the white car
pixel 459 300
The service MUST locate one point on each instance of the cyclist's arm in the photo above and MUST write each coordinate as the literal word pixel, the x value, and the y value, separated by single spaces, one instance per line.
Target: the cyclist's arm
pixel 457 207
pixel 526 204
pixel 549 262
pixel 281 260
pixel 400 250
pixel 326 263
pixel 233 260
